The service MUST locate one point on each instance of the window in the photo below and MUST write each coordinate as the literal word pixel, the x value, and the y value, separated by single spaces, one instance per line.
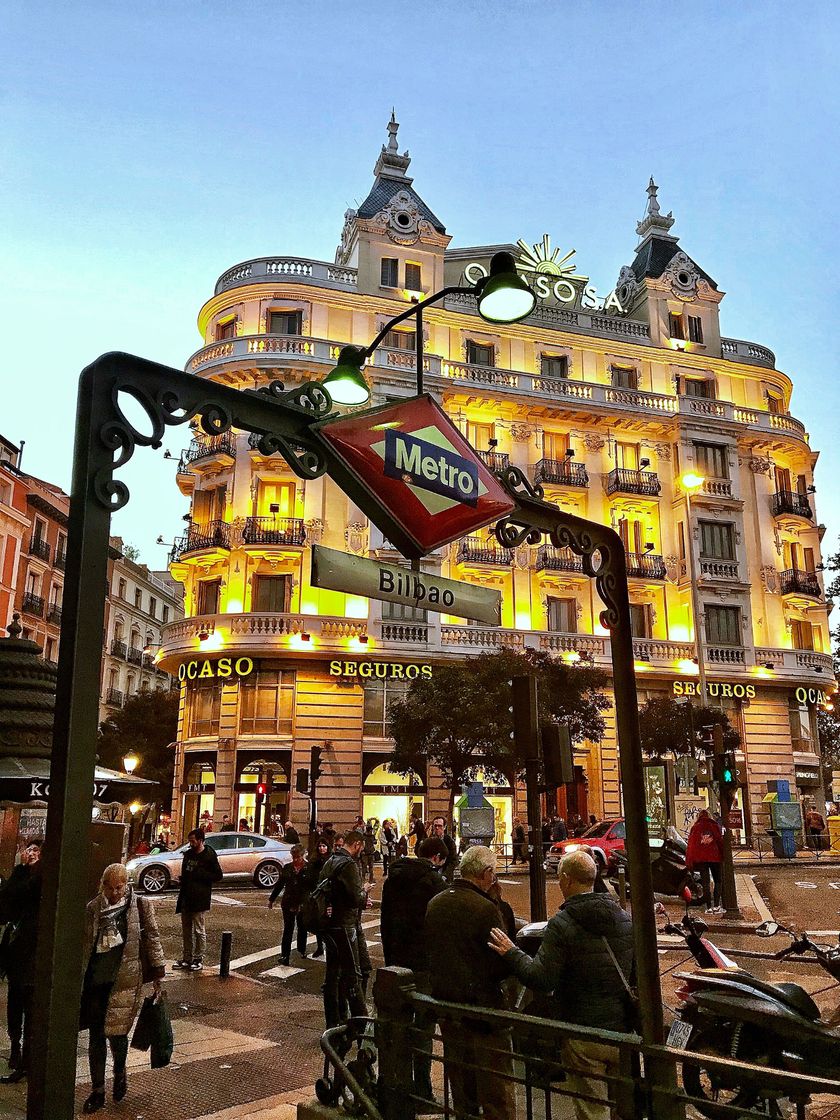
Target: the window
pixel 480 353
pixel 271 593
pixel 561 615
pixel 226 329
pixel 138 598
pixel 379 695
pixel 275 499
pixel 632 533
pixel 695 328
pixel 640 620
pixel 802 634
pixel 207 596
pixel 267 700
pixel 554 365
pixel 555 445
pixel 152 606
pixel 222 842
pixel 388 276
pixel 723 626
pixel 479 435
pixel 627 456
pixel 165 613
pixel 712 460
pixel 624 377
pixel 775 404
pixel 698 387
pixel 208 505
pixel 413 277
pixel 245 840
pixel 122 589
pixel 285 322
pixel 801 726
pixel 400 340
pixel 205 701
pixel 49 653
pixel 676 327
pixel 717 542
pixel 61 547
pixel 403 612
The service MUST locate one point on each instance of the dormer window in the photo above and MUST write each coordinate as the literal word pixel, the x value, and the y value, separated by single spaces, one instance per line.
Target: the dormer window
pixel 695 328
pixel 389 272
pixel 285 322
pixel 413 277
pixel 676 326
pixel 227 329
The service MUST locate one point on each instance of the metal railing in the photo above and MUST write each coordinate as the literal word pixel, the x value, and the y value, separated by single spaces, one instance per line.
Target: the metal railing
pixel 551 559
pixel 794 581
pixel 646 565
pixel 39 547
pixel 768 845
pixel 215 534
pixel 54 614
pixel 207 448
pixel 60 560
pixel 495 460
pixel 135 655
pixel 274 530
pixel 791 501
pixel 421 1055
pixel 119 648
pixel 115 697
pixel 620 480
pixel 561 472
pixel 32 604
pixel 478 550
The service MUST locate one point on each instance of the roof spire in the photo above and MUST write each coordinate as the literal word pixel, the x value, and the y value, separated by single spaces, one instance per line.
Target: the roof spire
pixel 655 223
pixel 393 129
pixel 392 165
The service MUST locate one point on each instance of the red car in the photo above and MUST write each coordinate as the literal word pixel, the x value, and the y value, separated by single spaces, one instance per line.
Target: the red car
pixel 602 839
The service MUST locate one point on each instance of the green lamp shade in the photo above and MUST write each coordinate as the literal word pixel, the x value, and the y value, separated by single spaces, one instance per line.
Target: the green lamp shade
pixel 346 383
pixel 504 297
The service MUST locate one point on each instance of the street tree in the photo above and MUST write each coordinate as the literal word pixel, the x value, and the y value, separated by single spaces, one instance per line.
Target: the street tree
pixel 665 727
pixel 460 719
pixel 146 726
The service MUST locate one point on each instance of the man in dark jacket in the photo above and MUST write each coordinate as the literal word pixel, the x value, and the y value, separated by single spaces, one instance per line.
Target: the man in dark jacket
pixel 293 885
pixel 343 979
pixel 464 969
pixel 575 962
pixel 20 901
pixel 439 830
pixel 199 871
pixel 290 833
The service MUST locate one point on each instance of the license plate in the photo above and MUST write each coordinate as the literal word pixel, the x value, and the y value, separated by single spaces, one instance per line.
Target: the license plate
pixel 679 1034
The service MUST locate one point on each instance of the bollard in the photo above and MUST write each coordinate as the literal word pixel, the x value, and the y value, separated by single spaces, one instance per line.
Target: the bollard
pixel 224 959
pixel 622 888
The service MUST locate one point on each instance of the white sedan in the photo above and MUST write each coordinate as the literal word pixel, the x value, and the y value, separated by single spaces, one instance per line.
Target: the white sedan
pixel 242 856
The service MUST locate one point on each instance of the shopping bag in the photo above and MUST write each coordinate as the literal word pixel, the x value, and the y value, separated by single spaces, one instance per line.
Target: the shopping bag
pixel 153 1031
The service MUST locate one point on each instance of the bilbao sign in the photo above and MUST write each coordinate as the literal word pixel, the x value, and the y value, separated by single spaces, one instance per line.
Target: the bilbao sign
pixel 204 668
pixel 414 474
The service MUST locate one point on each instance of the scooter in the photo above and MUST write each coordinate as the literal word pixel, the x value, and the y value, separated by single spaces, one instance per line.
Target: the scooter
pixel 727 1012
pixel 668 867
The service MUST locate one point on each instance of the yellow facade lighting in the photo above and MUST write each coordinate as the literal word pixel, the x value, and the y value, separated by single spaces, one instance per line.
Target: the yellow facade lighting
pixel 691 481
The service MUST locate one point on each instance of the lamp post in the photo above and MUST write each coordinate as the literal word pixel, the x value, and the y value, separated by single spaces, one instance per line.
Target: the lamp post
pixel 503 297
pixel 692 483
pixel 130 762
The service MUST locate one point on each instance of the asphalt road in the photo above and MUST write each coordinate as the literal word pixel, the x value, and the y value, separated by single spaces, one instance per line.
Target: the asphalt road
pixel 805 898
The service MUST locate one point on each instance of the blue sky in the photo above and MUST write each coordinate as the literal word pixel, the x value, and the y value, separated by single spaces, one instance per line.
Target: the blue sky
pixel 145 149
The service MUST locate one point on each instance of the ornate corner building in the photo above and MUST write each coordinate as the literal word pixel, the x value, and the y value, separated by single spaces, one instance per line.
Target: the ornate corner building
pixel 610 401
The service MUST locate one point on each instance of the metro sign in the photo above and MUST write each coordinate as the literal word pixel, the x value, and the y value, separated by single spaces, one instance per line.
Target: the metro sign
pixel 413 473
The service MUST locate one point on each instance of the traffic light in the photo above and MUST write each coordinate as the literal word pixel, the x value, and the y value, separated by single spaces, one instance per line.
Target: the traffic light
pixel 706 735
pixel 315 770
pixel 558 761
pixel 302 780
pixel 260 793
pixel 728 772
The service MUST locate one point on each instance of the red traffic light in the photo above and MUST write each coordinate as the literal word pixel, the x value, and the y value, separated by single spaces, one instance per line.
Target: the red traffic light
pixel 261 790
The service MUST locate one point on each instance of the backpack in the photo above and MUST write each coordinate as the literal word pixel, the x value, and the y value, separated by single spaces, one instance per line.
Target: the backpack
pixel 316 908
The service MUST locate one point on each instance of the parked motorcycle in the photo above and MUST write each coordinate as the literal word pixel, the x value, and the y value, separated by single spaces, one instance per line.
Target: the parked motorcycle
pixel 727 1012
pixel 668 867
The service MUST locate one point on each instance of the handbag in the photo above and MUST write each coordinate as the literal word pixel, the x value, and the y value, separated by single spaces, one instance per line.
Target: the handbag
pixel 153 1031
pixel 631 993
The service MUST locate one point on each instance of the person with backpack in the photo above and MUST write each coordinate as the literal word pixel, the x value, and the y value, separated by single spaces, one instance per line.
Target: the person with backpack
pixel 334 906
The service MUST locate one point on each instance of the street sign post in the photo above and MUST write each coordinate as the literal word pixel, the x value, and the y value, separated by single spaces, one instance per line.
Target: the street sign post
pixel 338 571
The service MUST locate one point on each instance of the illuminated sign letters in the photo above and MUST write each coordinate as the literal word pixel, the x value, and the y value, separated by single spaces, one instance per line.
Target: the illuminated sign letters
pixel 812 696
pixel 716 689
pixel 430 467
pixel 223 668
pixel 380 670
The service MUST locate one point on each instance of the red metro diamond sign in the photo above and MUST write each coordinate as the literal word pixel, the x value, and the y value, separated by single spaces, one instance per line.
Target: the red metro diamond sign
pixel 411 471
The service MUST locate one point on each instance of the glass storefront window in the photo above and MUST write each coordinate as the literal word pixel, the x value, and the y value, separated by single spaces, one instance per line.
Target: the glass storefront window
pixel 267 700
pixel 205 702
pixel 379 694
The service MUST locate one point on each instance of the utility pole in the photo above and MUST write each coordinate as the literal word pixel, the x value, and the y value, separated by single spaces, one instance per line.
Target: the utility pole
pixel 526 737
pixel 729 893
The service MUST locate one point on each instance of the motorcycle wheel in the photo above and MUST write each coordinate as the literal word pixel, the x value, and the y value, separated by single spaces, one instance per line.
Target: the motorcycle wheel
pixel 712 1095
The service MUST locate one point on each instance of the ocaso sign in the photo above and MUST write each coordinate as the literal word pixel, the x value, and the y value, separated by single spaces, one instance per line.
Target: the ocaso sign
pixel 222 668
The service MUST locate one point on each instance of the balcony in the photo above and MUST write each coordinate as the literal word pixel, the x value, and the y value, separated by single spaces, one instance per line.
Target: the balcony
pixel 719 569
pixel 495 460
pixel 39 547
pixel 216 534
pixel 32 604
pixel 791 501
pixel 54 614
pixel 551 559
pixel 135 655
pixel 795 582
pixel 114 697
pixel 220 449
pixel 561 472
pixel 645 565
pixel 60 560
pixel 480 550
pixel 623 481
pixel 119 648
pixel 148 661
pixel 274 530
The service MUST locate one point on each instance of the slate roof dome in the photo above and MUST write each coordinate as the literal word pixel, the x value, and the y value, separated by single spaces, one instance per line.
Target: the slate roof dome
pixel 27 697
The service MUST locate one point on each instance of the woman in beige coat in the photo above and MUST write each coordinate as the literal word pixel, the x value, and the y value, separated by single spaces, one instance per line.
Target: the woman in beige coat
pixel 122 950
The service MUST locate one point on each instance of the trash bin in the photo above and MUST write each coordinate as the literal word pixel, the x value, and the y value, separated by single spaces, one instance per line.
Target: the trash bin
pixel 834 833
pixel 784 844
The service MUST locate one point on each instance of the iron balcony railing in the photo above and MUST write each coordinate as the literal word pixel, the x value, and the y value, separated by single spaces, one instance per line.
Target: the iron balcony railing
pixel 135 655
pixel 54 614
pixel 60 561
pixel 215 534
pixel 624 481
pixel 561 472
pixel 32 604
pixel 274 530
pixel 119 648
pixel 39 547
pixel 478 550
pixel 114 697
pixel 223 445
pixel 791 501
pixel 551 559
pixel 148 661
pixel 794 582
pixel 646 565
pixel 495 460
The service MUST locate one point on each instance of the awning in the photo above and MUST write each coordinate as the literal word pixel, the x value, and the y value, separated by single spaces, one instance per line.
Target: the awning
pixel 23 780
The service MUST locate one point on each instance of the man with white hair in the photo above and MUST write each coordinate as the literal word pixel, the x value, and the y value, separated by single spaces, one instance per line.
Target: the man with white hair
pixel 586 960
pixel 464 969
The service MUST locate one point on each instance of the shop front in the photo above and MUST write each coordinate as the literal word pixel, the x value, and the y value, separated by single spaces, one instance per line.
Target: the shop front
pixel 198 790
pixel 387 795
pixel 261 789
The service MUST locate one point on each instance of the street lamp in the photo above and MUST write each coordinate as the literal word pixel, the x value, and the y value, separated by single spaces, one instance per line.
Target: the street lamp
pixel 503 297
pixel 130 762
